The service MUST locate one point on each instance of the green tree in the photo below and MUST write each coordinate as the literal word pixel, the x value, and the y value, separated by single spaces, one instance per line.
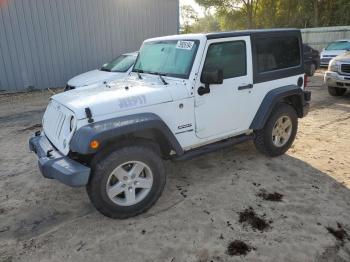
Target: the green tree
pixel 241 13
pixel 206 24
pixel 188 16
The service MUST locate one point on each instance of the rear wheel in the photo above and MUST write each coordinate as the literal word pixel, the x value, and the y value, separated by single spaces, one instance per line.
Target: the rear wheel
pixel 312 69
pixel 279 132
pixel 336 91
pixel 127 182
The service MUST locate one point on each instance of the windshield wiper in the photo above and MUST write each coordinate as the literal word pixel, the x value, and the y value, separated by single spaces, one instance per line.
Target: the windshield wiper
pixel 138 71
pixel 105 69
pixel 160 77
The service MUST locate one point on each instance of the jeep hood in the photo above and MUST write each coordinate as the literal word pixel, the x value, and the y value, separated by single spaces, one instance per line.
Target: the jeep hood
pixel 94 77
pixel 120 96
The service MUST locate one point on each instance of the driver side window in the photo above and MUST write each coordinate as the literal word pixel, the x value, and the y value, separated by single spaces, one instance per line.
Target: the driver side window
pixel 230 57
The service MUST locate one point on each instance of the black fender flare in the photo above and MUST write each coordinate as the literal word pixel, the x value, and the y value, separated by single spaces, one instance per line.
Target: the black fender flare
pixel 293 92
pixel 110 129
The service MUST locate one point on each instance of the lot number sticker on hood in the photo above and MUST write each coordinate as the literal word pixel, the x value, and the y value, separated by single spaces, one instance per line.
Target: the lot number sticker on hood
pixel 187 45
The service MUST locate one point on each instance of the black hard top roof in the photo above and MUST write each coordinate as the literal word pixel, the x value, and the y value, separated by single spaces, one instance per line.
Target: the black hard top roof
pixel 252 32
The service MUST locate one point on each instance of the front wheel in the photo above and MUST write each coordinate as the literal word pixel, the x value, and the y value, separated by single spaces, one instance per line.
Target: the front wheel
pixel 127 182
pixel 279 132
pixel 336 91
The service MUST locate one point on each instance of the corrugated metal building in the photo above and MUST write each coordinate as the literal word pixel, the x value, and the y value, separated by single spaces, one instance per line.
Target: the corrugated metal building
pixel 321 37
pixel 43 43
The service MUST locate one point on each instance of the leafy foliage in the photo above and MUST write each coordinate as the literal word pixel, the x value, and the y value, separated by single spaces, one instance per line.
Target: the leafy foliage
pixel 244 14
pixel 188 16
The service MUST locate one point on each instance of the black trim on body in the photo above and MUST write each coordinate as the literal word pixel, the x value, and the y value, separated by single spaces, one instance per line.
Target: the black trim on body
pixel 250 32
pixel 260 77
pixel 213 147
pixel 56 165
pixel 257 35
pixel 109 129
pixel 300 101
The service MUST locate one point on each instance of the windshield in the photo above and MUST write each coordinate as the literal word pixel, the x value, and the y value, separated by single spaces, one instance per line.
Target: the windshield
pixel 120 64
pixel 170 58
pixel 340 45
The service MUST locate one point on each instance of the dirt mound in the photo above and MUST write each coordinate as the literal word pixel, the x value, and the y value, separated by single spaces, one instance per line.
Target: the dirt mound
pixel 238 248
pixel 250 217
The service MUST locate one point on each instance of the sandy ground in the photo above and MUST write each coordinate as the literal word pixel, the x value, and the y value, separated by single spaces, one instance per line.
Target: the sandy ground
pixel 199 214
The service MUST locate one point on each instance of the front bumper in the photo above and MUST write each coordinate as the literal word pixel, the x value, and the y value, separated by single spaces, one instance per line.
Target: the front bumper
pixel 54 165
pixel 335 79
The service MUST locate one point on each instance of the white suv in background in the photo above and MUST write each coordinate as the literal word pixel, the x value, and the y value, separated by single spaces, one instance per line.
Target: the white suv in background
pixel 337 78
pixel 116 69
pixel 333 50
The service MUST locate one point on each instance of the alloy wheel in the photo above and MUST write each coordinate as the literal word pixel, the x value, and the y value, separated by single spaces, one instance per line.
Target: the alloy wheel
pixel 129 183
pixel 282 131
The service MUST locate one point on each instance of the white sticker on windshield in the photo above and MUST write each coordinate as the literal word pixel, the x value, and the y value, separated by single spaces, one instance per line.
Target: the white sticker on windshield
pixel 185 45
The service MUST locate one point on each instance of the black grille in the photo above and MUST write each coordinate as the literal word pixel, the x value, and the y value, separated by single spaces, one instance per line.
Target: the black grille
pixel 326 60
pixel 345 68
pixel 68 87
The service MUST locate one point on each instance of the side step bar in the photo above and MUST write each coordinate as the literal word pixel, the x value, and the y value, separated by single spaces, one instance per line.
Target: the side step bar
pixel 213 147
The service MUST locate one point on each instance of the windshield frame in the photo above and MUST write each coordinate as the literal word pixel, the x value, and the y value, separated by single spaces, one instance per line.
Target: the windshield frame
pixel 181 76
pixel 120 71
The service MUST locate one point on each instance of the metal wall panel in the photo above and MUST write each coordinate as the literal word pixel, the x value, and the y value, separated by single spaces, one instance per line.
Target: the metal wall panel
pixel 321 37
pixel 43 43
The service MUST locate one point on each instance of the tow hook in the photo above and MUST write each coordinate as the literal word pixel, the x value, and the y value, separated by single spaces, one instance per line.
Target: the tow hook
pixel 48 153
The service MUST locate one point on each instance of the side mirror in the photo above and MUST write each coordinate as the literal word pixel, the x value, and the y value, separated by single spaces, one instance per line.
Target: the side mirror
pixel 212 77
pixel 104 65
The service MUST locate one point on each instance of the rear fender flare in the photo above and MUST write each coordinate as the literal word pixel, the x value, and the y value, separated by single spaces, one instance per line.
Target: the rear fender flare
pixel 291 94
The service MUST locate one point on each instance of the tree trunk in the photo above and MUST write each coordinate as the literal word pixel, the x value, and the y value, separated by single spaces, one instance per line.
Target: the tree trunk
pixel 250 11
pixel 316 15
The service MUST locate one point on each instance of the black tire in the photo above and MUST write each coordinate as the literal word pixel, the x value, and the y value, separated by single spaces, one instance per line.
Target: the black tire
pixel 336 91
pixel 101 170
pixel 263 138
pixel 312 69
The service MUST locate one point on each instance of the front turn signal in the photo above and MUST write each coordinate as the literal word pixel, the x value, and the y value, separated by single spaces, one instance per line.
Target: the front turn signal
pixel 94 144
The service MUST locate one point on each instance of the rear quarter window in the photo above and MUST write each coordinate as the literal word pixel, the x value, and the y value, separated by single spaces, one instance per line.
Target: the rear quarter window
pixel 276 53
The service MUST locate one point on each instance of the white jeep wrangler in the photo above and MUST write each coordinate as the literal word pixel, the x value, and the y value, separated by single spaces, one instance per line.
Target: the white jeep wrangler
pixel 187 95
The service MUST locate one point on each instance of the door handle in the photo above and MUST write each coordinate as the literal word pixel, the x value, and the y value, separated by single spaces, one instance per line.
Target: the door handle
pixel 245 87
